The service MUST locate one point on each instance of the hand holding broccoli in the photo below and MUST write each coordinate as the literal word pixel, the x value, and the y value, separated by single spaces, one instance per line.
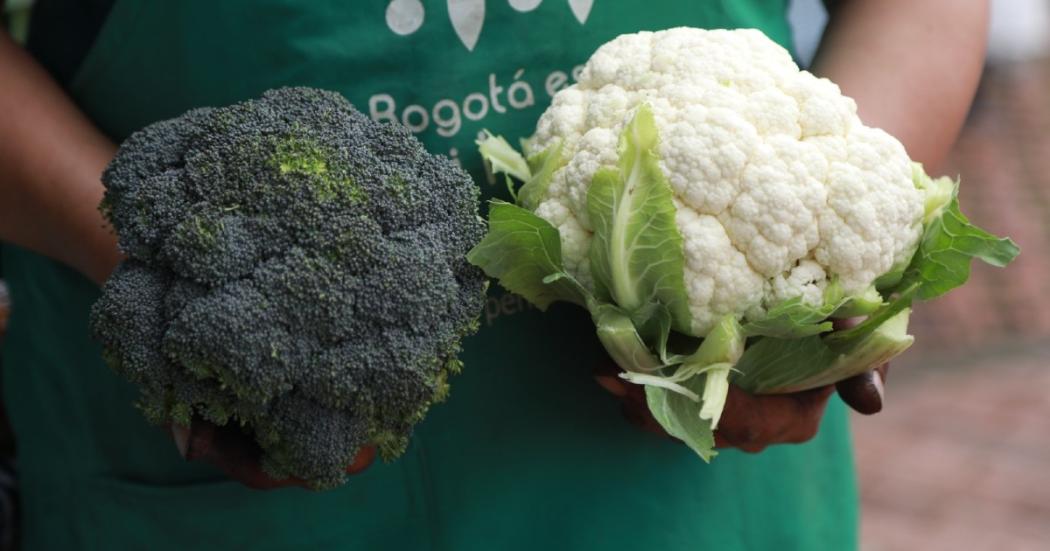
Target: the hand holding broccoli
pixel 295 270
pixel 238 455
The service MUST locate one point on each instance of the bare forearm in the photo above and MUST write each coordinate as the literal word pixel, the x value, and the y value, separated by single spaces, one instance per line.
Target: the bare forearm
pixel 911 65
pixel 51 157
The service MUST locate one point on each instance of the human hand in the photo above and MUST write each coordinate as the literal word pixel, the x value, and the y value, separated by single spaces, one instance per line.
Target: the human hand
pixel 5 310
pixel 748 422
pixel 864 393
pixel 237 455
pixel 751 423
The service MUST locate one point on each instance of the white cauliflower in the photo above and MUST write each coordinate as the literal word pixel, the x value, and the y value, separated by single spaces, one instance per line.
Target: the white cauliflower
pixel 698 182
pixel 780 188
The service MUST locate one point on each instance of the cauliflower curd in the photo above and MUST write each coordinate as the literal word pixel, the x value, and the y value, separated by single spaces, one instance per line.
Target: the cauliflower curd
pixel 779 187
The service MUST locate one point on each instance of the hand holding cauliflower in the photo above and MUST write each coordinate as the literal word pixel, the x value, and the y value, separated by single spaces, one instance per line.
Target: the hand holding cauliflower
pixel 714 207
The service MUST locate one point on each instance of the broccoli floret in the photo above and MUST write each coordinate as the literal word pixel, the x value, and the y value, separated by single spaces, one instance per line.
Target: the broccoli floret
pixel 293 267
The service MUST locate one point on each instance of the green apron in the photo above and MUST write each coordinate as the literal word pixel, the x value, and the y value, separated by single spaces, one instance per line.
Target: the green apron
pixel 528 452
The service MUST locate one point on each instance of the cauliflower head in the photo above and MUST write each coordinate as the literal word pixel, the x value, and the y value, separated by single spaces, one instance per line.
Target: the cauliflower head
pixel 779 187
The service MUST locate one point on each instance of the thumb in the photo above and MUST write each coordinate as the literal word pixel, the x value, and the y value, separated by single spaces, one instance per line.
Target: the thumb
pixel 866 392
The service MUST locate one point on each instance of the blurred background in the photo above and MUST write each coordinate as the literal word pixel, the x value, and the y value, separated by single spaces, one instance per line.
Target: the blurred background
pixel 960 458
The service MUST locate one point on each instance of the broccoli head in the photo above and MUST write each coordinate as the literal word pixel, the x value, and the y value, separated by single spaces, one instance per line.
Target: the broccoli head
pixel 293 267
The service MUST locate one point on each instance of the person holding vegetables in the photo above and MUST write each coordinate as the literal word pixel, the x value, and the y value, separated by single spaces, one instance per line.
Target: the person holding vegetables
pixel 528 451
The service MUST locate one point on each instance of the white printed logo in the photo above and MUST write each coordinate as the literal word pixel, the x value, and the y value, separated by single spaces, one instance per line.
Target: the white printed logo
pixel 467 18
pixel 404 17
pixel 581 9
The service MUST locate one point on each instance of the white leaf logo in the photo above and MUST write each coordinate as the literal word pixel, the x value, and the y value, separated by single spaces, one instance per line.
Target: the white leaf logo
pixel 467 16
pixel 405 17
pixel 524 5
pixel 581 9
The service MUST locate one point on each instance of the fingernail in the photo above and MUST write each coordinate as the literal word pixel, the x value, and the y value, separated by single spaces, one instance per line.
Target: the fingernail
pixel 611 384
pixel 863 393
pixel 181 435
pixel 880 387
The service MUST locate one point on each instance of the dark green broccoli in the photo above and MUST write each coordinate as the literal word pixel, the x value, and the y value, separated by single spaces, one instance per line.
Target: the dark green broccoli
pixel 293 267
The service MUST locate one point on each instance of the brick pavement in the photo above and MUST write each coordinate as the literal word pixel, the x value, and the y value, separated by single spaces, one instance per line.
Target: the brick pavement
pixel 960 458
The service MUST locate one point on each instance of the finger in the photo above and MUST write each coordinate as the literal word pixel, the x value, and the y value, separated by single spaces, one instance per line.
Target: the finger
pixel 742 424
pixel 238 455
pixel 803 422
pixel 364 458
pixel 809 408
pixel 636 395
pixel 866 392
pixel 642 418
pixel 812 400
pixel 635 406
pixel 613 384
pixel 208 442
pixel 230 450
pixel 607 375
pixel 845 323
pixel 722 442
pixel 753 422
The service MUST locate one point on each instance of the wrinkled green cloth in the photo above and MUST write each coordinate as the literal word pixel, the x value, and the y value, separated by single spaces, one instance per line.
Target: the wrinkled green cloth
pixel 528 453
